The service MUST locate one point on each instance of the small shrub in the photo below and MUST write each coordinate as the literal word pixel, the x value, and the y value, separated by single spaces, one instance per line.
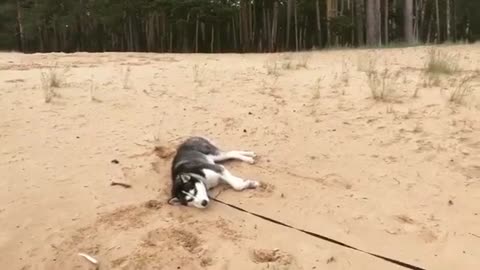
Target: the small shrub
pixel 50 79
pixel 463 89
pixel 440 63
pixel 381 84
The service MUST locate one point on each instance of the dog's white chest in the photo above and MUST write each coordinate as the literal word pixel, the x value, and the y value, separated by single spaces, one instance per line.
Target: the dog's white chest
pixel 212 179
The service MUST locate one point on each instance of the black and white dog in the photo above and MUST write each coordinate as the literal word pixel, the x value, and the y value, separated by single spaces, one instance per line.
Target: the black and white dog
pixel 194 171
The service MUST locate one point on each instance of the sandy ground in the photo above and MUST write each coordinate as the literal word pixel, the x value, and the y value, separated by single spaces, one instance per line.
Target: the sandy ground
pixel 398 177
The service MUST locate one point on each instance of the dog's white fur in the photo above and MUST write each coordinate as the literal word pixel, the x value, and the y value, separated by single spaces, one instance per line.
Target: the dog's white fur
pixel 214 178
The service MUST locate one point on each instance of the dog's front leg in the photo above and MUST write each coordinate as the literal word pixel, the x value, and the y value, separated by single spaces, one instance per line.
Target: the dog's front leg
pixel 237 183
pixel 245 156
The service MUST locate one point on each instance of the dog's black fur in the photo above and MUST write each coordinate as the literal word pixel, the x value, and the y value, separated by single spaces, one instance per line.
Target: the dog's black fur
pixel 190 159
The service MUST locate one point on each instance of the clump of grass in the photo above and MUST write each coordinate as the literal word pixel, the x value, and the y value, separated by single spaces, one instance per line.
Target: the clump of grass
pixel 415 92
pixel 440 63
pixel 272 67
pixel 316 89
pixel 286 62
pixel 302 61
pixel 93 89
pixel 289 62
pixel 51 79
pixel 197 70
pixel 345 75
pixel 366 63
pixel 463 90
pixel 126 78
pixel 381 84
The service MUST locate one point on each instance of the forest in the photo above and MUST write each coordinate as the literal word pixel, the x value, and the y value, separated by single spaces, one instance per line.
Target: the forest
pixel 217 26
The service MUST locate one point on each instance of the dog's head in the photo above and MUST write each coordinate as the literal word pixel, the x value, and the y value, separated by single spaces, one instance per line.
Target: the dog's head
pixel 188 189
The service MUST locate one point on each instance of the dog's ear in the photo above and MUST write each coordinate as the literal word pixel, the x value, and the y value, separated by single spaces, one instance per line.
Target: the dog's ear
pixel 185 178
pixel 174 201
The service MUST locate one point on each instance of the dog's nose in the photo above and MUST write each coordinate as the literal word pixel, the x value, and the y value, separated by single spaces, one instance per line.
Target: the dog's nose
pixel 204 203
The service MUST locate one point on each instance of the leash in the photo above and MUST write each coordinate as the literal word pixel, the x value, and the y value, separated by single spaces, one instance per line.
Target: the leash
pixel 325 238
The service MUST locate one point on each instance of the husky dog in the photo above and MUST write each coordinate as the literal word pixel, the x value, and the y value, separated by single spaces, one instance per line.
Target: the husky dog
pixel 194 171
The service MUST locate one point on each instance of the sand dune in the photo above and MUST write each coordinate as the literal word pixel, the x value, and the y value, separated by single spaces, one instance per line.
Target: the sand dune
pixel 397 176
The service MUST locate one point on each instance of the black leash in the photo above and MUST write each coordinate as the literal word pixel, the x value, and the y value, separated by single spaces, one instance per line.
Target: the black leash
pixel 394 261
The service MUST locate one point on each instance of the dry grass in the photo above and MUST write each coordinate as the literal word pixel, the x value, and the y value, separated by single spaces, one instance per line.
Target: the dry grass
pixel 50 79
pixel 271 67
pixel 93 90
pixel 463 89
pixel 440 63
pixel 197 75
pixel 380 82
pixel 316 89
pixel 366 63
pixel 345 75
pixel 126 78
pixel 290 61
pixel 416 91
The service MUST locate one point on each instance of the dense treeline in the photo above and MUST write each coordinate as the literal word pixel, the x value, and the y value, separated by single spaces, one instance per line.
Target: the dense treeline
pixel 230 25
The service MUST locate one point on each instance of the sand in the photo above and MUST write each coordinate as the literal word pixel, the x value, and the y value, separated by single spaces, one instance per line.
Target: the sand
pixel 397 177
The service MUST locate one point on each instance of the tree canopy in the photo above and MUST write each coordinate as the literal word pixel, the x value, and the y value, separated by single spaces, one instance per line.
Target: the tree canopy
pixel 230 25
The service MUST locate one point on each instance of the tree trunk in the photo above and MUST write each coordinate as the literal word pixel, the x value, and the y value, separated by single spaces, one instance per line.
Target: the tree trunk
pixel 20 37
pixel 170 41
pixel 359 4
pixel 40 37
pixel 408 21
pixel 448 21
pixel 296 25
pixel 437 20
pixel 274 27
pixel 289 15
pixel 196 34
pixel 385 26
pixel 373 22
pixel 319 25
pixel 212 39
pixel 329 34
pixel 429 29
pixel 234 30
pixel 454 21
pixel 245 25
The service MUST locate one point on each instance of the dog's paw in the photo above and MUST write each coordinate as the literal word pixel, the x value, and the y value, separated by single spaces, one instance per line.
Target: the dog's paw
pixel 252 184
pixel 249 154
pixel 249 160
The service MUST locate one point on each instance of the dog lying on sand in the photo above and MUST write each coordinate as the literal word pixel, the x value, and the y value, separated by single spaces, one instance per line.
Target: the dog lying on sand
pixel 194 171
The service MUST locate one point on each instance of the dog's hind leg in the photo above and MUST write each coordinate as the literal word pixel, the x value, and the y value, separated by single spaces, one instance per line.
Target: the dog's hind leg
pixel 237 183
pixel 240 155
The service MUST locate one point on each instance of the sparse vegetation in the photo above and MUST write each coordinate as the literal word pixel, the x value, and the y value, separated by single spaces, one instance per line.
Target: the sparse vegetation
pixel 316 89
pixel 197 70
pixel 381 83
pixel 51 79
pixel 440 63
pixel 287 62
pixel 463 89
pixel 126 78
pixel 345 75
pixel 366 63
pixel 415 92
pixel 272 68
pixel 93 89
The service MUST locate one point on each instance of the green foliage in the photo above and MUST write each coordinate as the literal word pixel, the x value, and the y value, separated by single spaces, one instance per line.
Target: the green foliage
pixel 200 25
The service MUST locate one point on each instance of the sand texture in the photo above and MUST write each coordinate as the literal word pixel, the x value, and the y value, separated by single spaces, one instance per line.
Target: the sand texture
pixel 397 175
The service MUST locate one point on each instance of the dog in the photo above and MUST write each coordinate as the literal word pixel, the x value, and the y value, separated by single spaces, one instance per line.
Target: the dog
pixel 194 171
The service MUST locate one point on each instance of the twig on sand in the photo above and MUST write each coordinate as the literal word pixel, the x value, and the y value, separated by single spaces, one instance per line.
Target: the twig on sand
pixel 121 184
pixel 89 258
pixel 478 236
